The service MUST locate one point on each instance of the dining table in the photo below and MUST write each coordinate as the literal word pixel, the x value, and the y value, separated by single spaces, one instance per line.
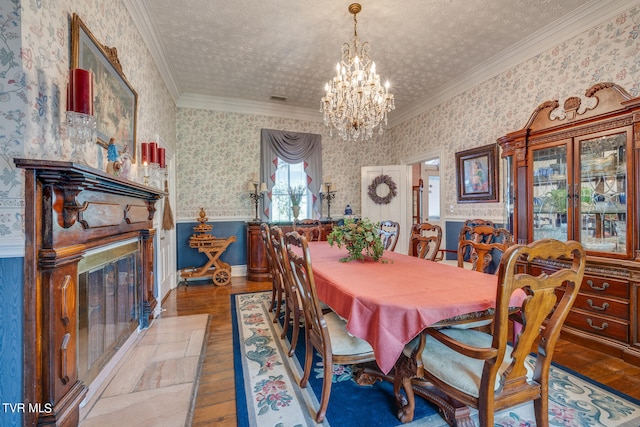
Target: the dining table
pixel 389 302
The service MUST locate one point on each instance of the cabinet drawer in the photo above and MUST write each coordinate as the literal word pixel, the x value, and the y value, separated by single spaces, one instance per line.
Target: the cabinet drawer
pixel 604 286
pixel 599 325
pixel 609 307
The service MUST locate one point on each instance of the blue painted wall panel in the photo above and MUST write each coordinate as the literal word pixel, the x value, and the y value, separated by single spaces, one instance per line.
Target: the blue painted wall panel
pixel 11 341
pixel 235 254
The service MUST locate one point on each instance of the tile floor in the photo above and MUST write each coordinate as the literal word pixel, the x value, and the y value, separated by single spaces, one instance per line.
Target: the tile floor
pixel 154 382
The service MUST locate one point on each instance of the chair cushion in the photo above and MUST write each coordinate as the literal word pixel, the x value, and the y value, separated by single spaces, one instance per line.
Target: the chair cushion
pixel 462 372
pixel 342 343
pixel 463 321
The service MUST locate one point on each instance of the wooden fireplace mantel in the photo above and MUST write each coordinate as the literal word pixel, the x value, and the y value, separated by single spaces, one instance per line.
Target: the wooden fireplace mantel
pixel 70 209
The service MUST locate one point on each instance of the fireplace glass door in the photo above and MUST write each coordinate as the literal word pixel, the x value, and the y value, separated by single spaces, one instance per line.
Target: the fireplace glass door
pixel 108 308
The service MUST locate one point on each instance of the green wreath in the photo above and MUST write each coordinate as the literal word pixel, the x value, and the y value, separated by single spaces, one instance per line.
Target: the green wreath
pixel 373 193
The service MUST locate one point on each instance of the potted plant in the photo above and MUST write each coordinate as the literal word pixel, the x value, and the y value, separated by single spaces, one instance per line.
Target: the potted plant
pixel 295 194
pixel 359 237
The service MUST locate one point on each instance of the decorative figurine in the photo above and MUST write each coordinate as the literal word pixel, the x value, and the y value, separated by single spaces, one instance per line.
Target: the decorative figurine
pixel 125 158
pixel 348 210
pixel 114 164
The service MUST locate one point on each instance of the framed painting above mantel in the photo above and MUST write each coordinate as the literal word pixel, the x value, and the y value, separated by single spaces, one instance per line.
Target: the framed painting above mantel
pixel 477 174
pixel 115 101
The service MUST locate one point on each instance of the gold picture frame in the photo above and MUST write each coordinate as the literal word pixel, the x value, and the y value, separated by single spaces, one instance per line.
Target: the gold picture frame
pixel 115 101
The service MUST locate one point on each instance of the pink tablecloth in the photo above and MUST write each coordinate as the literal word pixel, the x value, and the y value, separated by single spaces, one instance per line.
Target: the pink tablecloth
pixel 388 304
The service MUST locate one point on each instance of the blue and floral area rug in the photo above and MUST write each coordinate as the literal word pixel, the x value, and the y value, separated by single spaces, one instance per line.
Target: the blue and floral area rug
pixel 268 394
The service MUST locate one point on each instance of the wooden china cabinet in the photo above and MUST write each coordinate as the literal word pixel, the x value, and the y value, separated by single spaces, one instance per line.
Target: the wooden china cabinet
pixel 571 174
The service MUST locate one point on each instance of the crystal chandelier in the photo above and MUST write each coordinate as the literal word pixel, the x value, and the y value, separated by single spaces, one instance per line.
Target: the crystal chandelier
pixel 354 102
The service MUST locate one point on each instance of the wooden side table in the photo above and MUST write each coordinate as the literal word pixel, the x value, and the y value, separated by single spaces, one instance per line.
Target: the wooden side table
pixel 257 266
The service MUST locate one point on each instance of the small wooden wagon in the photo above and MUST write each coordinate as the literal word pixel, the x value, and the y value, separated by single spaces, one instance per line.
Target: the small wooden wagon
pixel 212 247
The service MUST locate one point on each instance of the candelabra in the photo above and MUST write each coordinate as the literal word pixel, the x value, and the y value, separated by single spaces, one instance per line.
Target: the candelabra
pixel 80 119
pixel 256 192
pixel 328 195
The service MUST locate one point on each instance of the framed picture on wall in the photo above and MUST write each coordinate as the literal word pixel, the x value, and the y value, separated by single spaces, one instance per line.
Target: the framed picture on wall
pixel 477 174
pixel 115 102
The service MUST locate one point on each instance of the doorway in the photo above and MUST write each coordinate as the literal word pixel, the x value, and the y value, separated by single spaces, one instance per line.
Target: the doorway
pixel 427 168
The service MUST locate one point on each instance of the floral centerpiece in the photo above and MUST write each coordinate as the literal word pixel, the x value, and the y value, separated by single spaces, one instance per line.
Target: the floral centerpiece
pixel 359 237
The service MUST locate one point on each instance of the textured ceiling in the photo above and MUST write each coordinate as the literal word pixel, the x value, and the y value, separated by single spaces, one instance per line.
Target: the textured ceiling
pixel 251 50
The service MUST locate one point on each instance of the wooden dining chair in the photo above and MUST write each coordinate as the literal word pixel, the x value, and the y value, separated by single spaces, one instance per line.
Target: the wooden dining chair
pixel 478 221
pixel 483 246
pixel 310 228
pixel 484 370
pixel 389 232
pixel 480 248
pixel 277 291
pixel 324 332
pixel 425 240
pixel 292 304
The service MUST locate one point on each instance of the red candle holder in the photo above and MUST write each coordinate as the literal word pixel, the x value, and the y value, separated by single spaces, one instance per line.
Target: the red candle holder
pixel 80 91
pixel 153 152
pixel 144 152
pixel 161 157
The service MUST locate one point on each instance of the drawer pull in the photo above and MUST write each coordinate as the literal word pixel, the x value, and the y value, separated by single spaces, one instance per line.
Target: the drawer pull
pixel 605 285
pixel 595 307
pixel 604 326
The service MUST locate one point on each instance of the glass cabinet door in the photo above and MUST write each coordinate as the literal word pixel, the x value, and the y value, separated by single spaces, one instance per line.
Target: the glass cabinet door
pixel 602 191
pixel 550 193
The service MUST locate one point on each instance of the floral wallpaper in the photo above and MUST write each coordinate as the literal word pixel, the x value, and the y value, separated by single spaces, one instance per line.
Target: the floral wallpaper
pixel 609 52
pixel 13 117
pixel 219 152
pixel 35 46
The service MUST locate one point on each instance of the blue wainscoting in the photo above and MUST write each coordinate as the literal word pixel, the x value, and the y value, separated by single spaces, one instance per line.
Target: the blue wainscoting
pixel 235 254
pixel 11 341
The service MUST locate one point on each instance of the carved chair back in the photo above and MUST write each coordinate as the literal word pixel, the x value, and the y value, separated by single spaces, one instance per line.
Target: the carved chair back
pixel 483 246
pixel 293 307
pixel 389 232
pixel 318 334
pixel 425 240
pixel 486 371
pixel 276 275
pixel 311 229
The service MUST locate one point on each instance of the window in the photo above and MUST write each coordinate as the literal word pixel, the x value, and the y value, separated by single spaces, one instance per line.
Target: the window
pixel 290 159
pixel 434 197
pixel 288 175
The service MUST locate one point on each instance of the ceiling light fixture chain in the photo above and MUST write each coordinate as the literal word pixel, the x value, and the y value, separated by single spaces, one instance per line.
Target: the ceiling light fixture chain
pixel 355 103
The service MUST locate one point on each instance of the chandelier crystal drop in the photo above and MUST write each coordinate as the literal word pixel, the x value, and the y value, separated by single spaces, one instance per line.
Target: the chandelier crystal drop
pixel 354 102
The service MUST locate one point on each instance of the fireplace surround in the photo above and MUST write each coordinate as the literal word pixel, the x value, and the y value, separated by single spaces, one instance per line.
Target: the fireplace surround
pixel 75 216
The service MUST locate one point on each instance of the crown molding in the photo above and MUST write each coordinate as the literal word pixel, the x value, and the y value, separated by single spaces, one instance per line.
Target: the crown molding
pixel 139 11
pixel 233 105
pixel 591 14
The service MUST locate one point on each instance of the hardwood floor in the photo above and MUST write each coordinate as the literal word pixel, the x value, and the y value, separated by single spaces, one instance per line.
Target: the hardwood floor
pixel 215 402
